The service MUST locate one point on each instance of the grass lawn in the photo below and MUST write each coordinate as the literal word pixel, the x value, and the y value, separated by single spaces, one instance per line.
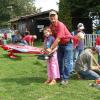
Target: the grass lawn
pixel 22 79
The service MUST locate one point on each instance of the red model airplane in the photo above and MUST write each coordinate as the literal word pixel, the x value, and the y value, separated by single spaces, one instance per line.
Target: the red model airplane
pixel 12 48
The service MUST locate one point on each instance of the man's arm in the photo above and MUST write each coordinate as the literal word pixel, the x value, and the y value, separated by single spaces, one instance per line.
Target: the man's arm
pixel 95 61
pixel 54 45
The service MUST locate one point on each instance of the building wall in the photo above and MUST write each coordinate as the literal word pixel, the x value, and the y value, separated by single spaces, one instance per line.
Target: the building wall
pixel 38 27
pixel 35 24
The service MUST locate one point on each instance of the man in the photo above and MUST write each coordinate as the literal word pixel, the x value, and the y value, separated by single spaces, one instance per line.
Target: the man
pixel 65 48
pixel 79 35
pixel 84 65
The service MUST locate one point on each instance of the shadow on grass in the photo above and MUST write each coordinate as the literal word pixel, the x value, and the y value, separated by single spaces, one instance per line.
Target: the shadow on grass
pixel 24 80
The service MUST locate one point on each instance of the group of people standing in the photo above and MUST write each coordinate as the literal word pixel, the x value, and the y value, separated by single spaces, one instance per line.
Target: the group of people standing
pixel 60 63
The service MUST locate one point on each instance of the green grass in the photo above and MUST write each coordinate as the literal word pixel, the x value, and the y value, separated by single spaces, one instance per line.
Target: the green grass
pixel 22 79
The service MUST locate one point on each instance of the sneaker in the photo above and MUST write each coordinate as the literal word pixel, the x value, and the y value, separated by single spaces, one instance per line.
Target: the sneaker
pixel 64 82
pixel 91 84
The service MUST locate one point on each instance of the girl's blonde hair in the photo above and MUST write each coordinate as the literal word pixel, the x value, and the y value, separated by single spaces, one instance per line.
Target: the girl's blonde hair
pixel 47 28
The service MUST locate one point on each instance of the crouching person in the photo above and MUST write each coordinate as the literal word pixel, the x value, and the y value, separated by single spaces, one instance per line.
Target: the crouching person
pixel 84 63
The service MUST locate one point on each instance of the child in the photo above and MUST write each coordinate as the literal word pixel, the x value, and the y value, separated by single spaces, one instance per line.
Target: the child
pixel 52 62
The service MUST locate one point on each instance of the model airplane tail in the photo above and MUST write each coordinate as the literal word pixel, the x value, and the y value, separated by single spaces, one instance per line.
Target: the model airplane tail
pixel 11 48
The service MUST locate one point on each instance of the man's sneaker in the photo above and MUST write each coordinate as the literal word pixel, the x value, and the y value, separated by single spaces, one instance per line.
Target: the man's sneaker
pixel 64 82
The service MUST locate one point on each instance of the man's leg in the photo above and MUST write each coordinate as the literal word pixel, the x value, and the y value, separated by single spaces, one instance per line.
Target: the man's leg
pixel 89 74
pixel 60 55
pixel 80 50
pixel 68 61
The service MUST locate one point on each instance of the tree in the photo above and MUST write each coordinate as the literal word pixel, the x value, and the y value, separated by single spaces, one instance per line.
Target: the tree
pixel 23 7
pixel 77 8
pixel 14 8
pixel 4 14
pixel 81 8
pixel 65 13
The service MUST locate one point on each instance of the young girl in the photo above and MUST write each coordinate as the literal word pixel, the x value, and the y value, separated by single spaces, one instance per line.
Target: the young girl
pixel 52 62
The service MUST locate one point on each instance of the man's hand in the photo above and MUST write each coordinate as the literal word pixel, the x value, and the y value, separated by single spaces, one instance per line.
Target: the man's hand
pixel 95 67
pixel 99 66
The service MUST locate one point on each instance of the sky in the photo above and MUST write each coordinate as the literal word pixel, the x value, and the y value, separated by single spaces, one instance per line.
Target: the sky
pixel 46 4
